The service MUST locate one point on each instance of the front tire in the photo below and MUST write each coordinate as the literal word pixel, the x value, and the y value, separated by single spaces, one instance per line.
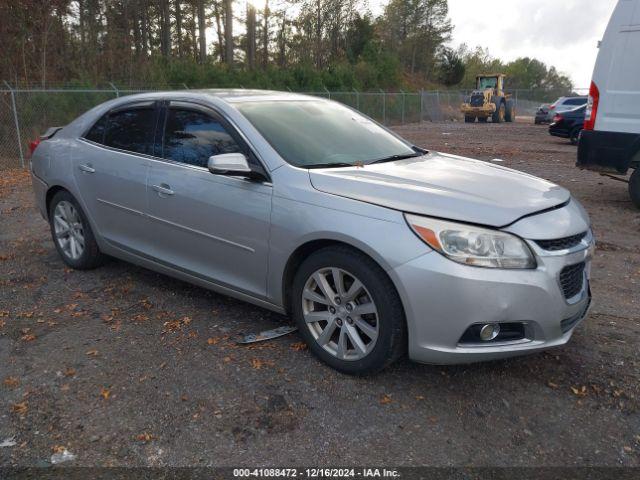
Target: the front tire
pixel 348 311
pixel 72 234
pixel 634 187
pixel 498 115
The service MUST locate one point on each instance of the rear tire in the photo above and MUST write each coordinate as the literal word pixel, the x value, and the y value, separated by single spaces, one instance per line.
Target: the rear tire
pixel 510 112
pixel 72 234
pixel 482 119
pixel 325 304
pixel 574 136
pixel 634 187
pixel 469 119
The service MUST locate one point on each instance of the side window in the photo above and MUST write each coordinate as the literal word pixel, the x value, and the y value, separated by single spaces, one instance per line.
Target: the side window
pixel 192 137
pixel 131 130
pixel 96 134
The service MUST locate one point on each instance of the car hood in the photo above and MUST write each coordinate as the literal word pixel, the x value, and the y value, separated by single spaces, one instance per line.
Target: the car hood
pixel 444 186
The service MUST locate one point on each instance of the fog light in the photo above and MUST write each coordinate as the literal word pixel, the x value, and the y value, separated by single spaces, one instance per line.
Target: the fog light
pixel 489 332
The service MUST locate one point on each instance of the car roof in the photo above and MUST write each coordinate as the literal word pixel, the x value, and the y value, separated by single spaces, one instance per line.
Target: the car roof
pixel 235 95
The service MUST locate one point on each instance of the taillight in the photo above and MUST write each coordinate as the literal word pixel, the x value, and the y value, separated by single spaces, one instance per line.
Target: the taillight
pixel 557 118
pixel 33 145
pixel 592 107
pixel 552 107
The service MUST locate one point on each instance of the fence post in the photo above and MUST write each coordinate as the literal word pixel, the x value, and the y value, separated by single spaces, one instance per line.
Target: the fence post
pixel 403 102
pixel 115 89
pixel 357 99
pixel 384 107
pixel 17 123
pixel 421 105
pixel 185 86
pixel 328 92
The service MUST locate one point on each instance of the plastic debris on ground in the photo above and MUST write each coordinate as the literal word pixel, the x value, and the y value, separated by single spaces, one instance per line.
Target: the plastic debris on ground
pixel 266 335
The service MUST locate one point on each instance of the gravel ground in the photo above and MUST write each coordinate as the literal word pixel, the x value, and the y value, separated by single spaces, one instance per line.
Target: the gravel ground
pixel 125 367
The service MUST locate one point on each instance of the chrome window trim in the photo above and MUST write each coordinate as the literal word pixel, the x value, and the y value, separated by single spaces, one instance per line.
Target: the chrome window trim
pixel 201 105
pixel 143 156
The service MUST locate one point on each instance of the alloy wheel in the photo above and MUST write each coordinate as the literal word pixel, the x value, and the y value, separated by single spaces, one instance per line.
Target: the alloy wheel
pixel 340 313
pixel 68 229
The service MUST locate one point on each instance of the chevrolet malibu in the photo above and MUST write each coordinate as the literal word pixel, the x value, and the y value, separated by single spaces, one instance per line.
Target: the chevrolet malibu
pixel 376 247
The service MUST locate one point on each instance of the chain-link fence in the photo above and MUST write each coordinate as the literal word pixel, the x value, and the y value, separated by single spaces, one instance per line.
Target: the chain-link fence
pixel 26 113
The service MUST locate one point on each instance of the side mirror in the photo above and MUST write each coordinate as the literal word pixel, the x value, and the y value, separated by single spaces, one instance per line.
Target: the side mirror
pixel 229 164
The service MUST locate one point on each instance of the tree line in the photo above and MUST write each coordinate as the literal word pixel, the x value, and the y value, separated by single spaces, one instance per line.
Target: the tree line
pixel 295 44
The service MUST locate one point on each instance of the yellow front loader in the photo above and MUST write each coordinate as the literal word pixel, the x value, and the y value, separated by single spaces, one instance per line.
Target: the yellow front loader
pixel 489 100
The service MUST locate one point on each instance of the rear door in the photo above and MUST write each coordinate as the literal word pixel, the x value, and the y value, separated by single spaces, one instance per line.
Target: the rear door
pixel 111 172
pixel 211 226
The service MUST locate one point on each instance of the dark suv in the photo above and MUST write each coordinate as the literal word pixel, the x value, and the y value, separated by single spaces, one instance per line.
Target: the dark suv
pixel 568 124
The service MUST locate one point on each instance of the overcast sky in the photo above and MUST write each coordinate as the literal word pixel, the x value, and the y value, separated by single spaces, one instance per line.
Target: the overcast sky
pixel 563 33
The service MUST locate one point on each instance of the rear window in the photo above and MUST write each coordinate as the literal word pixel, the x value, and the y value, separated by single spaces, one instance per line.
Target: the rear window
pixel 96 134
pixel 575 101
pixel 131 130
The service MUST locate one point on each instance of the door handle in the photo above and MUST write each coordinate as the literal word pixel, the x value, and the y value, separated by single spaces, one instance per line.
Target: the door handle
pixel 87 168
pixel 163 189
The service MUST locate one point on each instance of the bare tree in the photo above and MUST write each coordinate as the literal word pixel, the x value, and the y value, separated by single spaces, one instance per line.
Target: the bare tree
pixel 251 36
pixel 228 31
pixel 202 33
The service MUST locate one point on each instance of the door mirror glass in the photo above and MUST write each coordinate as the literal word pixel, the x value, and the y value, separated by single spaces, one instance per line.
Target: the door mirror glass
pixel 229 164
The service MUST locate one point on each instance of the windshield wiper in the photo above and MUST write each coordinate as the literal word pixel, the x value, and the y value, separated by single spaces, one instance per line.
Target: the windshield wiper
pixel 393 158
pixel 330 165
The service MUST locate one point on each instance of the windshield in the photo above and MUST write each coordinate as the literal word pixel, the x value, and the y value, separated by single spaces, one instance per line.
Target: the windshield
pixel 309 133
pixel 487 82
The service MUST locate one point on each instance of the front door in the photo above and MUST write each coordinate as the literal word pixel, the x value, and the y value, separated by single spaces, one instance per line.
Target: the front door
pixel 211 226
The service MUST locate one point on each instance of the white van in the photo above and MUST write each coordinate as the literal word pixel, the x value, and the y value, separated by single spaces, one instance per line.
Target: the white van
pixel 610 140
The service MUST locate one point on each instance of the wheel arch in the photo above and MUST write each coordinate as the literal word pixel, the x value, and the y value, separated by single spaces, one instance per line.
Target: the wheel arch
pixel 51 192
pixel 308 248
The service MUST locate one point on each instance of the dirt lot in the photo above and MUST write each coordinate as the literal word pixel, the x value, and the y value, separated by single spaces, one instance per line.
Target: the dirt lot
pixel 123 366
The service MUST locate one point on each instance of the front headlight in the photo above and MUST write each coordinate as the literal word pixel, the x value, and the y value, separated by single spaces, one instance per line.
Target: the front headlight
pixel 471 245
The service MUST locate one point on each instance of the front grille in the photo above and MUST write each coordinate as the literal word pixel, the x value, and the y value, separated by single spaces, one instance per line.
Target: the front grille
pixel 477 100
pixel 571 279
pixel 568 323
pixel 561 243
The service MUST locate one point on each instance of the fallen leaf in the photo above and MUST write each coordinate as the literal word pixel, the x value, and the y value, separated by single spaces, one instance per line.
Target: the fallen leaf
pixel 70 372
pixel 258 364
pixel 2 323
pixel 419 397
pixel 627 449
pixel 553 385
pixel 385 399
pixel 29 337
pixel 144 437
pixel 226 359
pixel 299 346
pixel 11 382
pixel 213 340
pixel 92 353
pixel 105 393
pixel 58 448
pixel 580 392
pixel 20 408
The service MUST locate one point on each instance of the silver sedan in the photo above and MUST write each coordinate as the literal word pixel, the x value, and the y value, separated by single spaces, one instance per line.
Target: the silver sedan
pixel 376 247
